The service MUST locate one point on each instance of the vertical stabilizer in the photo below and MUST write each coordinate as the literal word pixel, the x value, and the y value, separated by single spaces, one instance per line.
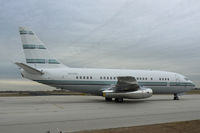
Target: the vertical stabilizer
pixel 36 53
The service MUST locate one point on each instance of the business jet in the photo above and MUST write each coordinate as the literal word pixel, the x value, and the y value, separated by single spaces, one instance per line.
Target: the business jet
pixel 117 84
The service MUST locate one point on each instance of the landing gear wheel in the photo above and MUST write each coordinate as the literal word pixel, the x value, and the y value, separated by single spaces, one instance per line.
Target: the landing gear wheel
pixel 119 100
pixel 176 97
pixel 108 99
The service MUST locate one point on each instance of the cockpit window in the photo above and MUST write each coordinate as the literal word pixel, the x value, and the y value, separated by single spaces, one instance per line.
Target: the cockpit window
pixel 186 78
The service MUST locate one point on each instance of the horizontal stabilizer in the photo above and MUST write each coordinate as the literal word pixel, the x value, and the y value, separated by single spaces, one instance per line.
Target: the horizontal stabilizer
pixel 29 69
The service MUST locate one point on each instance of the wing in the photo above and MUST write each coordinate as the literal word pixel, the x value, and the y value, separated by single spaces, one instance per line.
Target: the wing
pixel 127 83
pixel 127 87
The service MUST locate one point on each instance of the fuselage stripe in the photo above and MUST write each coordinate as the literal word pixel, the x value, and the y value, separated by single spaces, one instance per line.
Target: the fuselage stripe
pixel 23 32
pixel 72 82
pixel 33 46
pixel 42 61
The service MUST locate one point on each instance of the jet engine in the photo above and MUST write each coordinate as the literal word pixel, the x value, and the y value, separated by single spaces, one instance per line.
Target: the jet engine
pixel 139 94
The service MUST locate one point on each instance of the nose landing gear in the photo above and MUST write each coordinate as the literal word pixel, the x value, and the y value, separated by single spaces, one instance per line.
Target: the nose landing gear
pixel 176 96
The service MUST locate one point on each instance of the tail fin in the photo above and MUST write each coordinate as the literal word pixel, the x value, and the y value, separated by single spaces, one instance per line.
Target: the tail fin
pixel 35 51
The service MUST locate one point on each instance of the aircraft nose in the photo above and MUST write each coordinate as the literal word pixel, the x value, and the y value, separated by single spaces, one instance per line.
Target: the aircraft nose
pixel 192 83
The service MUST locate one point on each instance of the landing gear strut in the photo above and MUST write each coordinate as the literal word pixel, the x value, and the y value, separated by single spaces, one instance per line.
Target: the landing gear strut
pixel 176 96
pixel 119 100
pixel 108 99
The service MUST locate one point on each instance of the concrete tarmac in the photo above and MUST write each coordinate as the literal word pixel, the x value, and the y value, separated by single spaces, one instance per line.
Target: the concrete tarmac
pixel 37 114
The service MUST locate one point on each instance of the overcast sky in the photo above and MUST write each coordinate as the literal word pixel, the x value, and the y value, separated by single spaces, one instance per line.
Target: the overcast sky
pixel 132 34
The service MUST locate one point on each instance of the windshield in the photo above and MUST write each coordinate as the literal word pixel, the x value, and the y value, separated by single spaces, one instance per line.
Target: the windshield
pixel 186 78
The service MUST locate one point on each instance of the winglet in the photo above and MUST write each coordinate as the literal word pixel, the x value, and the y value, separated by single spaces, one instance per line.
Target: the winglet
pixel 29 69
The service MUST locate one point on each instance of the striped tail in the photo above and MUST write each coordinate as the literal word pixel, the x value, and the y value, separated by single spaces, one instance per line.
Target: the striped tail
pixel 36 53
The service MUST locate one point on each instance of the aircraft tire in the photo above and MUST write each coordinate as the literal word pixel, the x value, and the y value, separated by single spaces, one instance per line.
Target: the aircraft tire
pixel 108 99
pixel 176 97
pixel 119 100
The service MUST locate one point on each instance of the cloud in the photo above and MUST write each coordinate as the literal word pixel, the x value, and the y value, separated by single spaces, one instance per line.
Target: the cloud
pixel 129 34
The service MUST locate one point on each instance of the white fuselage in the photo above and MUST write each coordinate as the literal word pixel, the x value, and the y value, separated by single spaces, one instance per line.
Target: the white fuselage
pixel 42 67
pixel 94 81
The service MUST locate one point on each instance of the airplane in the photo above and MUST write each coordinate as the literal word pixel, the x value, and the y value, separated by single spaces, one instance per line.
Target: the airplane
pixel 117 84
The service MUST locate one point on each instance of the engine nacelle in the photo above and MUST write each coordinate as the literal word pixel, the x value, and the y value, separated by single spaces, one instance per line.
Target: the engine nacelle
pixel 139 94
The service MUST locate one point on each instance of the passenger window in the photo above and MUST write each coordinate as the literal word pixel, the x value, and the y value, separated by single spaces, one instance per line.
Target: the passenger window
pixel 83 77
pixel 87 77
pixel 145 78
pixel 100 77
pixel 111 78
pixel 76 77
pixel 80 77
pixel 151 78
pixel 114 78
pixel 104 77
pixel 107 77
pixel 90 77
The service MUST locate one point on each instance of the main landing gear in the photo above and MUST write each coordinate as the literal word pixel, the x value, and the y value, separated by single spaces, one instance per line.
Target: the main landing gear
pixel 108 99
pixel 176 96
pixel 117 100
